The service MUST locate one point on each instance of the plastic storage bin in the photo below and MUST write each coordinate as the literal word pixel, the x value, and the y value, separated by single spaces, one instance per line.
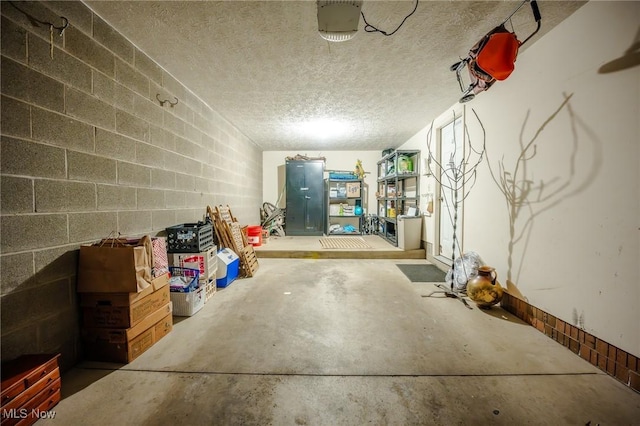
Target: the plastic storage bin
pixel 210 290
pixel 228 267
pixel 187 304
pixel 409 232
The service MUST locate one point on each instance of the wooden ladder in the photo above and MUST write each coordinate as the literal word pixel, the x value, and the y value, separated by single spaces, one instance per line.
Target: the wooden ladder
pixel 231 234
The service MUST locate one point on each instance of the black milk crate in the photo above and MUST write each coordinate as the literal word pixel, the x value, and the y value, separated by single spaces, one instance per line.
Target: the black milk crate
pixel 190 238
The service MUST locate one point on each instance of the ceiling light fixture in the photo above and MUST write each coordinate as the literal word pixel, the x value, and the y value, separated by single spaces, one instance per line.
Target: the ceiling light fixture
pixel 338 19
pixel 324 129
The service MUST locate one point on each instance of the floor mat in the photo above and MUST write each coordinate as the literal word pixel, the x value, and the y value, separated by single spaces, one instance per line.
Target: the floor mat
pixel 422 273
pixel 344 243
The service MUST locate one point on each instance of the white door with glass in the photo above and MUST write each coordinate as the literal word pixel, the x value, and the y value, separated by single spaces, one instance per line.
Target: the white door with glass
pixel 451 159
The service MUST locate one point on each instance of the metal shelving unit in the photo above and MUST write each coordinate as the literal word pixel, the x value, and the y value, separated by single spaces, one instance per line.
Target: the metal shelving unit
pixel 343 196
pixel 398 190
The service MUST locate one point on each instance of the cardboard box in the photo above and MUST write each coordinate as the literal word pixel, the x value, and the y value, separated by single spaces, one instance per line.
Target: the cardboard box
pixel 127 298
pixel 123 310
pixel 114 269
pixel 162 328
pixel 205 262
pixel 125 345
pixel 353 189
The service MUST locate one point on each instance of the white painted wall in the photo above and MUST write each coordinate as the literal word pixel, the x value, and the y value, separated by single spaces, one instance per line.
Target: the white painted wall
pixel 575 247
pixel 336 160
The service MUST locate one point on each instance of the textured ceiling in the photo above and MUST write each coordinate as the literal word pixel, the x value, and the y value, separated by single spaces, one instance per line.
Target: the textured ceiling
pixel 264 67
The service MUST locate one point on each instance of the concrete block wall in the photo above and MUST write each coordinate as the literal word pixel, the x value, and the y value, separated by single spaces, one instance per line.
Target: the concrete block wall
pixel 87 149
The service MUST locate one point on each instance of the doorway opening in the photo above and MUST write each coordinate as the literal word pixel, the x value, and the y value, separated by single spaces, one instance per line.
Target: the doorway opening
pixel 449 218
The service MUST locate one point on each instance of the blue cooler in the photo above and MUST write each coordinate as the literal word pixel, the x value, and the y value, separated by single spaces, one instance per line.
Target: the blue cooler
pixel 228 267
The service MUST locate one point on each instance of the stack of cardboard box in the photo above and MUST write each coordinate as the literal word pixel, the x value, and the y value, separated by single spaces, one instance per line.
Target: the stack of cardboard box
pixel 125 309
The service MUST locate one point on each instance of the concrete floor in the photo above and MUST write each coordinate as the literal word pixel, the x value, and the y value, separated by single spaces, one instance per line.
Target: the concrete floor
pixel 345 342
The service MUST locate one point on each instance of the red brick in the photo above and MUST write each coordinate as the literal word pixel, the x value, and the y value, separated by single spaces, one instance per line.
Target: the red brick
pixel 559 338
pixel 560 325
pixel 632 363
pixel 590 340
pixel 612 352
pixel 530 313
pixel 594 358
pixel 611 366
pixel 602 362
pixel 551 320
pixel 574 346
pixel 564 340
pixel 532 320
pixel 602 347
pixel 621 357
pixel 634 380
pixel 585 352
pixel 574 332
pixel 522 315
pixel 622 373
pixel 505 302
pixel 547 330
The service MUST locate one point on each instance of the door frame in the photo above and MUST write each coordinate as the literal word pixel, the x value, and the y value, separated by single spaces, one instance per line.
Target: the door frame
pixel 445 120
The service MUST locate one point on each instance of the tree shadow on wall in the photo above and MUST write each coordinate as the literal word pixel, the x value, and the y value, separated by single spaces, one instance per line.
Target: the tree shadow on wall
pixel 526 199
pixel 629 59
